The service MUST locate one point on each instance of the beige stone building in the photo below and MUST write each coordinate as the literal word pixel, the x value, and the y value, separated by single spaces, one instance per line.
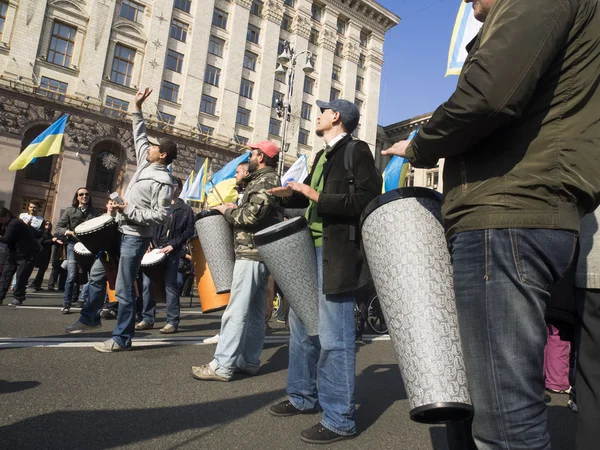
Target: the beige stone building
pixel 211 64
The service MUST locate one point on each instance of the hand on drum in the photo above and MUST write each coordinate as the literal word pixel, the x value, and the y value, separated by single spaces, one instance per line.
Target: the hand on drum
pixel 305 190
pixel 225 207
pixel 280 192
pixel 120 206
pixel 168 249
pixel 398 149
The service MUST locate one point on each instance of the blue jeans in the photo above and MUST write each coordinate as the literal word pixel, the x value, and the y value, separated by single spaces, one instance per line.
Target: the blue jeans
pixel 328 358
pixel 173 282
pixel 503 279
pixel 84 294
pixel 71 274
pixel 133 249
pixel 242 334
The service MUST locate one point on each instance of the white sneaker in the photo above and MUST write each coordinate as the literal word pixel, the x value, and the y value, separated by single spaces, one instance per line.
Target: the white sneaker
pixel 212 340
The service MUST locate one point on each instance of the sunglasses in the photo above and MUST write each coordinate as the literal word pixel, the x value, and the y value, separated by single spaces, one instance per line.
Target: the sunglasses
pixel 83 194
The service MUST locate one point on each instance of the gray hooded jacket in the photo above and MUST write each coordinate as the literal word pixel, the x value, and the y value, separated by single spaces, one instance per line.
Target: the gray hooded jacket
pixel 149 193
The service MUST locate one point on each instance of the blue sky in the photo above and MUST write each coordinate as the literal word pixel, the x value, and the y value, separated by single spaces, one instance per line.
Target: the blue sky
pixel 416 55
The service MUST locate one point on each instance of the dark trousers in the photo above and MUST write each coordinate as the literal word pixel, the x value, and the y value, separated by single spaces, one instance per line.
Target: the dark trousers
pixel 43 261
pixel 22 267
pixel 588 369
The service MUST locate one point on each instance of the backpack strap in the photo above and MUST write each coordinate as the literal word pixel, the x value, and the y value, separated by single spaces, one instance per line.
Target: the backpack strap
pixel 348 167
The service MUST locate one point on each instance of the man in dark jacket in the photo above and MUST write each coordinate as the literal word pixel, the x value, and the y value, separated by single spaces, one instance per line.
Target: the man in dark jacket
pixel 170 238
pixel 334 209
pixel 22 248
pixel 521 138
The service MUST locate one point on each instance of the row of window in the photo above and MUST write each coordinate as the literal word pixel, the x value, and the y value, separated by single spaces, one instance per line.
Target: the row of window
pixel 3 10
pixel 135 12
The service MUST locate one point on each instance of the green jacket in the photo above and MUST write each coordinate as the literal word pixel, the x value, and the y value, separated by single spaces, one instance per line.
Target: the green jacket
pixel 521 133
pixel 257 211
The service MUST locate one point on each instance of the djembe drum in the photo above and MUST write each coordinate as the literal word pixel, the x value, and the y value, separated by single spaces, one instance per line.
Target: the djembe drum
pixel 216 238
pixel 408 256
pixel 99 234
pixel 85 259
pixel 289 252
pixel 153 266
pixel 210 300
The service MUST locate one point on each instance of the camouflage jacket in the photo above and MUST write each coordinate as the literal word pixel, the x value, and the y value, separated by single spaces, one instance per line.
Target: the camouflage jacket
pixel 257 211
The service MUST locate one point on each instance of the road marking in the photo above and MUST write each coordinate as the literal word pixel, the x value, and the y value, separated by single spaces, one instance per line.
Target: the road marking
pixel 58 308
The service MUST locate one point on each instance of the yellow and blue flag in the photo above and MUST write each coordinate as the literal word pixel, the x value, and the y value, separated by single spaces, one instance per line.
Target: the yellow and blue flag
pixel 227 172
pixel 46 144
pixel 395 172
pixel 465 29
pixel 187 186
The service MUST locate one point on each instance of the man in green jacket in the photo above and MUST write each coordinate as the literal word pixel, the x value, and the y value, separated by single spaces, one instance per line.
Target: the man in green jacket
pixel 521 142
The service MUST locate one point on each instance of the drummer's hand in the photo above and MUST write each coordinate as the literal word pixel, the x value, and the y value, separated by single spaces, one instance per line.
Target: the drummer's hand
pixel 305 190
pixel 140 98
pixel 398 149
pixel 168 249
pixel 221 208
pixel 69 233
pixel 230 205
pixel 59 242
pixel 281 192
pixel 120 207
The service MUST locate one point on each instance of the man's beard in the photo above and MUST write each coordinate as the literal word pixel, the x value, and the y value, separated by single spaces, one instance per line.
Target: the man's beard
pixel 252 166
pixel 319 133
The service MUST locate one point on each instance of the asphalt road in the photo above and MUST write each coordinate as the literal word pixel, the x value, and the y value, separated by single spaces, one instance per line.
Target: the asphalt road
pixel 56 392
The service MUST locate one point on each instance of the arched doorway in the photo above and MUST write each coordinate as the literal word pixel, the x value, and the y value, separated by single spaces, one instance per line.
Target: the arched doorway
pixel 105 174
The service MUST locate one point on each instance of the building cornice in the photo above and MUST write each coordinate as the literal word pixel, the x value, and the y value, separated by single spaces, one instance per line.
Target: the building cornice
pixel 369 11
pixel 408 124
pixel 274 11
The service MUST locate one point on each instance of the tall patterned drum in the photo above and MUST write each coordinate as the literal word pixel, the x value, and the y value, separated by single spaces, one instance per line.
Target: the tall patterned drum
pixel 289 252
pixel 408 256
pixel 99 234
pixel 216 238
pixel 153 266
pixel 84 257
pixel 210 300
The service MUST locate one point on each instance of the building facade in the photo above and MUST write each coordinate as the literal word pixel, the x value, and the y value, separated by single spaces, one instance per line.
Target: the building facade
pixel 210 63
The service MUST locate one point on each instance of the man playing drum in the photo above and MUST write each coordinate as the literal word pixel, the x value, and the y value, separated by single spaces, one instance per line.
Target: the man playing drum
pixel 335 204
pixel 146 204
pixel 242 332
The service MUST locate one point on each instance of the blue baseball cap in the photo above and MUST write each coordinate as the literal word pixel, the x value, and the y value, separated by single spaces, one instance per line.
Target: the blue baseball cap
pixel 349 113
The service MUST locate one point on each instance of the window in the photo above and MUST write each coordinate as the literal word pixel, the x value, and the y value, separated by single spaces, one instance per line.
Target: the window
pixel 243 116
pixel 116 107
pixel 122 65
pixel 309 85
pixel 3 9
pixel 359 104
pixel 316 12
pixel 204 129
pixel 246 88
pixel 166 119
pixel 241 139
pixel 432 179
pixel 132 11
pixel 53 89
pixel 277 96
pixel 61 44
pixel 220 18
pixel 360 83
pixel 183 5
pixel 212 75
pixel 179 30
pixel 306 111
pixel 361 61
pixel 256 8
pixel 281 46
pixel 289 2
pixel 105 171
pixel 339 49
pixel 250 60
pixel 341 26
pixel 314 36
pixel 364 38
pixel 334 94
pixel 286 23
pixel 280 77
pixel 303 136
pixel 253 34
pixel 208 104
pixel 215 46
pixel 275 127
pixel 174 61
pixel 169 91
pixel 336 73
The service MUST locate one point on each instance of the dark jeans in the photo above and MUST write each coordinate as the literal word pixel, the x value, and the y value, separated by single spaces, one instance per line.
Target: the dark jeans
pixel 22 267
pixel 43 261
pixel 588 370
pixel 503 280
pixel 58 277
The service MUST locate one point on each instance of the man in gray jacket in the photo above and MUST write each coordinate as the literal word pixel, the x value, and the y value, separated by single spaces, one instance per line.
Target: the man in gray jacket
pixel 147 203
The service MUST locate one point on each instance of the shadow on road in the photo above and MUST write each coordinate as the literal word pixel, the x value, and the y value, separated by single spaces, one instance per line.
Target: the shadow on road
pixel 7 387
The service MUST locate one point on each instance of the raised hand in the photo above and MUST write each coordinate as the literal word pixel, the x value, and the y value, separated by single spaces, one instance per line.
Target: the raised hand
pixel 141 97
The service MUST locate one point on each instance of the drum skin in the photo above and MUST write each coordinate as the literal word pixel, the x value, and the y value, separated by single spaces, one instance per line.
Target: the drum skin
pixel 156 272
pixel 210 300
pixel 105 237
pixel 406 249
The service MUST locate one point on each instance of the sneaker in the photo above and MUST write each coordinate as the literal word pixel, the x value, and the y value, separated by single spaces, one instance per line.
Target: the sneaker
pixel 143 326
pixel 248 370
pixel 16 303
pixel 108 314
pixel 110 346
pixel 168 329
pixel 321 435
pixel 286 409
pixel 66 310
pixel 206 373
pixel 212 340
pixel 31 290
pixel 79 327
pixel 79 304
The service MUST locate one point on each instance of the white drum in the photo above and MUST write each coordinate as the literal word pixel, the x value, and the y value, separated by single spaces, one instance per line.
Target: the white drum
pixel 153 266
pixel 84 257
pixel 99 234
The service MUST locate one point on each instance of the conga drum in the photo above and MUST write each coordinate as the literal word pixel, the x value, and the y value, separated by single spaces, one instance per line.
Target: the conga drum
pixel 99 234
pixel 408 256
pixel 216 238
pixel 288 250
pixel 85 259
pixel 210 300
pixel 153 266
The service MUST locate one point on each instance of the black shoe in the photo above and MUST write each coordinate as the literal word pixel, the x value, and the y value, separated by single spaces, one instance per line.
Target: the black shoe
pixel 108 314
pixel 79 304
pixel 66 310
pixel 79 327
pixel 286 409
pixel 15 303
pixel 321 435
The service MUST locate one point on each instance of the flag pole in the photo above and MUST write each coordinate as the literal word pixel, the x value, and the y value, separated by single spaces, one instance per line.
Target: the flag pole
pixel 216 192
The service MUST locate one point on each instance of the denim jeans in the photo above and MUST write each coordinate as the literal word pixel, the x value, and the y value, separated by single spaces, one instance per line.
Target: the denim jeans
pixel 84 294
pixel 328 359
pixel 242 334
pixel 173 281
pixel 133 249
pixel 503 279
pixel 72 274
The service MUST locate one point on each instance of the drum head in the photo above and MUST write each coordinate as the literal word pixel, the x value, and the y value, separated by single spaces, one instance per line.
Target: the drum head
pixel 207 213
pixel 279 230
pixel 153 257
pixel 96 223
pixel 81 249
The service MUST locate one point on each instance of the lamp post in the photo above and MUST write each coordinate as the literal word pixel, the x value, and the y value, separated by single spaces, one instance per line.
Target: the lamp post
pixel 284 107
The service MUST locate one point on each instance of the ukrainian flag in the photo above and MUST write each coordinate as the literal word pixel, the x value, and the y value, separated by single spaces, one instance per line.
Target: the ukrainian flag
pixel 46 144
pixel 465 29
pixel 395 172
pixel 227 172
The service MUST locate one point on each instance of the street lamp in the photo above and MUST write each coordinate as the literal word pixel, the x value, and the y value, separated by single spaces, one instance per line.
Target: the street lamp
pixel 284 108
